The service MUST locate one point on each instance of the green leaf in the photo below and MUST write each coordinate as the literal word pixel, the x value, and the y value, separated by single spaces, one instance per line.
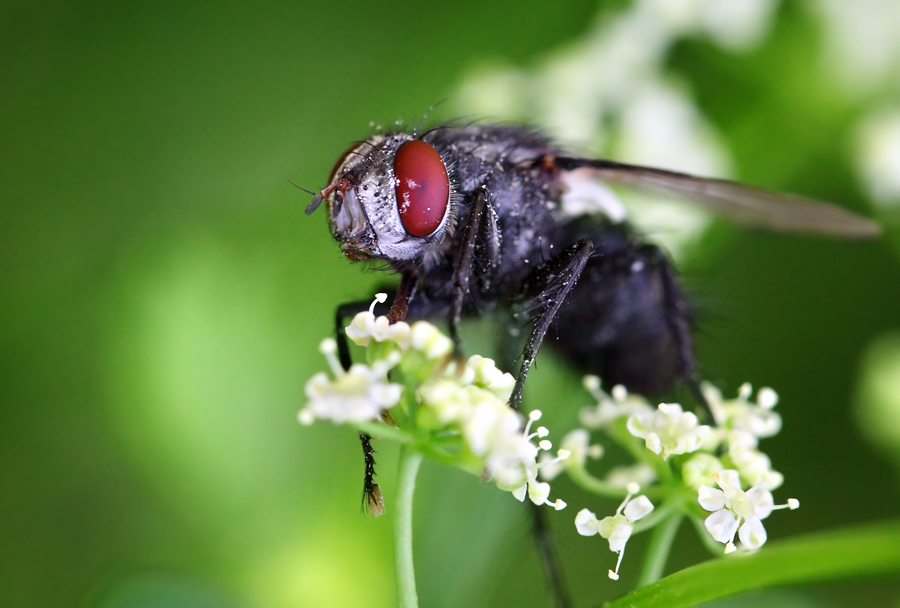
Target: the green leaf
pixel 848 553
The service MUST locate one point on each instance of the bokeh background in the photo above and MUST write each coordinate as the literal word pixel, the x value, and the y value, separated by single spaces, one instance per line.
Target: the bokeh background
pixel 162 293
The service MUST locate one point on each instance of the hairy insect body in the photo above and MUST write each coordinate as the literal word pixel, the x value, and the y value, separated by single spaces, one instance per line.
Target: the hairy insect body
pixel 614 322
pixel 509 240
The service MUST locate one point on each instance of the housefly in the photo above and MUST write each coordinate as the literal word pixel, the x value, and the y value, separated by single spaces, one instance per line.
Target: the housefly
pixel 474 218
pixel 483 217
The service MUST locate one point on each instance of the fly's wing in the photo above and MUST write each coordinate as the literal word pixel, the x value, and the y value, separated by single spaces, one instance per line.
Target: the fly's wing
pixel 743 204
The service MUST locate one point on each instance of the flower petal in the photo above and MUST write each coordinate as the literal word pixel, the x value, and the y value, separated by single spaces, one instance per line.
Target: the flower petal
pixel 753 533
pixel 711 499
pixel 619 535
pixel 722 525
pixel 729 478
pixel 586 523
pixel 638 508
pixel 538 492
pixel 762 500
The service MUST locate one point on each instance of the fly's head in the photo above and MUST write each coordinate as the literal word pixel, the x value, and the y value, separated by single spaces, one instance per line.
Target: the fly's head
pixel 389 198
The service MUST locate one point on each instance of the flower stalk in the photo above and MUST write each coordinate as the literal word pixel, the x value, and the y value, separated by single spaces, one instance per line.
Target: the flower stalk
pixel 403 531
pixel 658 550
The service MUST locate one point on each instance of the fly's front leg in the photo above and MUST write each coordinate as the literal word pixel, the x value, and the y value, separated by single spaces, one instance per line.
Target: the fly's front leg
pixel 482 221
pixel 548 286
pixel 372 500
pixel 405 293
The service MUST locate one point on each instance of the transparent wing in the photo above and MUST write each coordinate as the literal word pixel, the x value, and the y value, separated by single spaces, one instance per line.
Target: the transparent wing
pixel 743 204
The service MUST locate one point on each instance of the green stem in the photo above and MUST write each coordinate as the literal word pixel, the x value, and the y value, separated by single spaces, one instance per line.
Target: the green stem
pixel 664 511
pixel 380 430
pixel 658 550
pixel 826 556
pixel 593 485
pixel 406 482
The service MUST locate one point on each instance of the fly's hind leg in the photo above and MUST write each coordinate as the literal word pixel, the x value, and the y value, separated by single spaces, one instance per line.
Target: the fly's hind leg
pixel 629 321
pixel 545 290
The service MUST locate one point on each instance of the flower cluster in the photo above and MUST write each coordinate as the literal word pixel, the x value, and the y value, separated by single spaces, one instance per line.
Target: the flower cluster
pixel 454 410
pixel 698 468
pixel 732 505
pixel 413 389
pixel 356 395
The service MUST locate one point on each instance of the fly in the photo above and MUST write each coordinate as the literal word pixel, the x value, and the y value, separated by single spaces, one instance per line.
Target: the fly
pixel 480 217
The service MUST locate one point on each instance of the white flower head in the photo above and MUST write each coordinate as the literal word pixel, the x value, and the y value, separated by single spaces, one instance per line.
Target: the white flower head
pixel 471 401
pixel 617 529
pixel 731 506
pixel 512 463
pixel 430 341
pixel 366 327
pixel 610 408
pixel 754 467
pixel 670 430
pixel 740 414
pixel 487 376
pixel 357 395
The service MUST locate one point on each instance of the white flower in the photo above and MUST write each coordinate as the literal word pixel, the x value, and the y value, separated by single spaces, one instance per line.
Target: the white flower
pixel 487 376
pixel 740 414
pixel 754 466
pixel 577 443
pixel 616 528
pixel 669 430
pixel 429 340
pixel 357 395
pixel 538 491
pixel 492 431
pixel 620 404
pixel 366 327
pixel 731 506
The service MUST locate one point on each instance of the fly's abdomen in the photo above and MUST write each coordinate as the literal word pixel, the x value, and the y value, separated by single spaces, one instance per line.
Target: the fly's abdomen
pixel 626 320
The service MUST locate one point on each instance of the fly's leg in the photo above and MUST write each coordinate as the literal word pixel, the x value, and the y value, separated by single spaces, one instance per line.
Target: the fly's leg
pixel 405 293
pixel 542 536
pixel 482 222
pixel 372 500
pixel 549 285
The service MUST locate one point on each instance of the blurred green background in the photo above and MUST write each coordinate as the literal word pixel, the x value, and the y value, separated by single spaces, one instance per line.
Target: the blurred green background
pixel 162 293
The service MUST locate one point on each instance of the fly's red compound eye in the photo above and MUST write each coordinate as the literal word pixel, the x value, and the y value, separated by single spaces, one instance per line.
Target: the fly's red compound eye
pixel 423 187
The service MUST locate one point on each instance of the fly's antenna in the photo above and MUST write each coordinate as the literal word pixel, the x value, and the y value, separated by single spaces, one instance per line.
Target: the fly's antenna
pixel 314 203
pixel 302 188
